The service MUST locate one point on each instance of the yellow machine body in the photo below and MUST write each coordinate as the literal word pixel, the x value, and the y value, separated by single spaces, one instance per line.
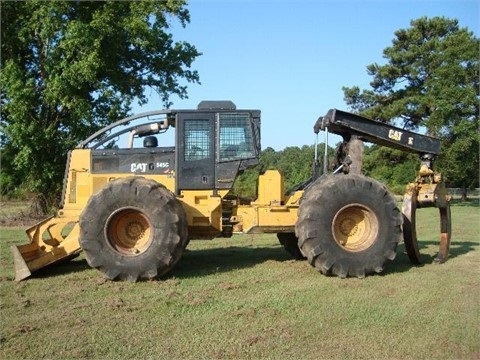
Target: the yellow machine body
pixel 272 211
pixel 57 238
pixel 130 237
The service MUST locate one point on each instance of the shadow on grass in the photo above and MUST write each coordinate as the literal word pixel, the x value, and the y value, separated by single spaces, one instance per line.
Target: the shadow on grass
pixel 209 261
pixel 402 262
pixel 194 263
pixel 202 262
pixel 62 268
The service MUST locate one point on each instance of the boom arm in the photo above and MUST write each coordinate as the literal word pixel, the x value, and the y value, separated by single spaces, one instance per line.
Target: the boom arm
pixel 347 124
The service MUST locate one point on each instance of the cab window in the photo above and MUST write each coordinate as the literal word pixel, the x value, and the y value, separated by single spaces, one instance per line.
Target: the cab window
pixel 197 140
pixel 235 137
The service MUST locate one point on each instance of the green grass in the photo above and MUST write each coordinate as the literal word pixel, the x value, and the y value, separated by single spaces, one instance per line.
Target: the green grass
pixel 244 298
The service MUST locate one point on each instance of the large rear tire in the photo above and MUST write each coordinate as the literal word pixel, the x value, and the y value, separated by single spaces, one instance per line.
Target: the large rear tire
pixel 348 225
pixel 133 228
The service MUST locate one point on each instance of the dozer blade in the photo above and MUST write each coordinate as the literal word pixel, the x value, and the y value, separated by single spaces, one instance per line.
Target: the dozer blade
pixel 51 240
pixel 21 269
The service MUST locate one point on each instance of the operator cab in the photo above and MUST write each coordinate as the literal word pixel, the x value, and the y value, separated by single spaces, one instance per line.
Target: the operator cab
pixel 213 143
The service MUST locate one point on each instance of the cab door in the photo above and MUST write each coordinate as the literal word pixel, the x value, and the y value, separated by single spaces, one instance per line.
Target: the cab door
pixel 195 138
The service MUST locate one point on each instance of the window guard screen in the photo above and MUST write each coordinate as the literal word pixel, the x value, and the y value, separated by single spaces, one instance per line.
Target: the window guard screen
pixel 235 137
pixel 197 140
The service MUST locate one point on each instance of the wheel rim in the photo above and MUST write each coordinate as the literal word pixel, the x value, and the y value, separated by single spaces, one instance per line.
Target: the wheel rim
pixel 355 227
pixel 128 231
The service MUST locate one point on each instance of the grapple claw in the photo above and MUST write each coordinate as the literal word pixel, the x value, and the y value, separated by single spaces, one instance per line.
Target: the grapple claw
pixel 409 208
pixel 426 194
pixel 445 234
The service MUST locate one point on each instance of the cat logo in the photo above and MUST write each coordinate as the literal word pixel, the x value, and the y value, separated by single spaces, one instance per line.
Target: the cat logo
pixel 395 135
pixel 138 167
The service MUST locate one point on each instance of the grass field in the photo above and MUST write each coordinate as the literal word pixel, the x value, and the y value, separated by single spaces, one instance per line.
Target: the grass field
pixel 244 298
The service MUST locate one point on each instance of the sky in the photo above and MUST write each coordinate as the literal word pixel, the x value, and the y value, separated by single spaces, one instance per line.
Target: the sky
pixel 290 59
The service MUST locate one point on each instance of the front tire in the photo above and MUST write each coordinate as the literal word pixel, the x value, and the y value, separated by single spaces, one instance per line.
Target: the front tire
pixel 348 225
pixel 133 228
pixel 290 243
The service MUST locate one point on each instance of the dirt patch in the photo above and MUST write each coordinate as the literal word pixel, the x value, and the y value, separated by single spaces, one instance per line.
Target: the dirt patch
pixel 19 220
pixel 18 214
